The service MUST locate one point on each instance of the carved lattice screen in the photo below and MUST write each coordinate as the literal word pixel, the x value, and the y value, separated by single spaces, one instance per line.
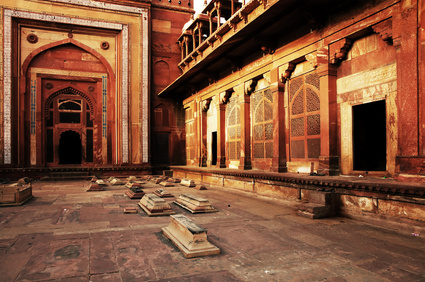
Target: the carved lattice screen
pixel 190 135
pixel 233 130
pixel 305 117
pixel 262 124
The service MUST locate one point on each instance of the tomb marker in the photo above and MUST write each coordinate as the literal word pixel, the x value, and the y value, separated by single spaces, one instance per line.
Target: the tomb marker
pixel 189 237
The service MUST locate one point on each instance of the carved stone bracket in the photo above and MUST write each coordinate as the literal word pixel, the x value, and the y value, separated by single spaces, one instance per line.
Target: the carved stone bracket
pixel 250 86
pixel 207 104
pixel 385 30
pixel 226 96
pixel 312 59
pixel 338 50
pixel 287 73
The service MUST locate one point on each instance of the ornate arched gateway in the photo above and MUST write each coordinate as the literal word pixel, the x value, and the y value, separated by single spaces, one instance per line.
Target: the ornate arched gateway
pixel 67 111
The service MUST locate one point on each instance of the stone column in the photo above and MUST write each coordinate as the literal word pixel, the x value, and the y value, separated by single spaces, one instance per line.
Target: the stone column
pixel 203 130
pixel 277 87
pixel 245 112
pixel 221 135
pixel 411 142
pixel 328 160
pixel 196 123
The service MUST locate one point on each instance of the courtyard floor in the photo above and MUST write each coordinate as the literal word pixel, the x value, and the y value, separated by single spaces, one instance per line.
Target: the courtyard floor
pixel 65 233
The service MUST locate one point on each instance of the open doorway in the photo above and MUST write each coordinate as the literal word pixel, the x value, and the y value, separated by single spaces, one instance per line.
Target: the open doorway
pixel 70 148
pixel 214 148
pixel 369 137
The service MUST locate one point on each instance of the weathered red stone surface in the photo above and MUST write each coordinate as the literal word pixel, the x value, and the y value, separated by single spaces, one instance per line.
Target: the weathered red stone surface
pixel 63 234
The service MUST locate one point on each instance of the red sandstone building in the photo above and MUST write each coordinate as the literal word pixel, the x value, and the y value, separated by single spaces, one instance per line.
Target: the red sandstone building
pixel 79 81
pixel 293 85
pixel 333 86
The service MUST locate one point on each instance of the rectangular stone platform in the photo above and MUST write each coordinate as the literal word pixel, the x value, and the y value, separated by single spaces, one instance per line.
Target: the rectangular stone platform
pixel 189 237
pixel 116 181
pixel 194 204
pixel 187 182
pixel 166 184
pixel 15 194
pixel 154 205
pixel 162 193
pixel 94 186
pixel 135 193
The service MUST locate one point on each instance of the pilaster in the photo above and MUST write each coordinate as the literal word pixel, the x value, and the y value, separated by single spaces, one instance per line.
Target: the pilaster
pixel 221 135
pixel 277 87
pixel 245 159
pixel 328 160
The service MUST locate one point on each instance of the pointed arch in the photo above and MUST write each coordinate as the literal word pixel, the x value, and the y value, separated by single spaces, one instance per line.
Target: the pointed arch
pixel 72 41
pixel 67 90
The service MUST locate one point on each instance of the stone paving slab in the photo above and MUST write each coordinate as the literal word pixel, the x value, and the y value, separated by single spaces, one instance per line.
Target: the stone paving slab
pixel 67 234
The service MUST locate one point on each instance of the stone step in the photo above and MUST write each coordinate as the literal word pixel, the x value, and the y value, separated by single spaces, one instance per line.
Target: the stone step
pixel 314 211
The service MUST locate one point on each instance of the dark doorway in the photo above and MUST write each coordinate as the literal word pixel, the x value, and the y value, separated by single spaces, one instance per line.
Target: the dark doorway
pixel 70 148
pixel 369 137
pixel 160 149
pixel 214 148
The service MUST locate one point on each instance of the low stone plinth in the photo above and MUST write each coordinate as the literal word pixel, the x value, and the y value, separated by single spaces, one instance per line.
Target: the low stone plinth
pixel 15 194
pixel 94 186
pixel 174 180
pixel 130 210
pixel 101 182
pixel 189 237
pixel 200 187
pixel 187 182
pixel 154 205
pixel 162 193
pixel 166 184
pixel 116 181
pixel 133 185
pixel 135 193
pixel 194 204
pixel 132 178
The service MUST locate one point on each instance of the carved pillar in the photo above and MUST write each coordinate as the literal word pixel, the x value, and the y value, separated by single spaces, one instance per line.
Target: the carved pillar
pixel 408 102
pixel 328 160
pixel 245 160
pixel 277 87
pixel 197 137
pixel 221 135
pixel 203 130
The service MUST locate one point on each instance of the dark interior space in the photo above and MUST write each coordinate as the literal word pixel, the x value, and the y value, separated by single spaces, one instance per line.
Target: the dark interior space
pixel 160 148
pixel 214 148
pixel 70 148
pixel 369 137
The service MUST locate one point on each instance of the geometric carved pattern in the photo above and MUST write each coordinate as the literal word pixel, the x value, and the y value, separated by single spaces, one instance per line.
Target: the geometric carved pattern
pixel 233 130
pixel 305 116
pixel 313 101
pixel 297 149
pixel 313 125
pixel 190 135
pixel 262 127
pixel 294 86
pixel 313 79
pixel 298 104
pixel 68 90
pixel 297 127
pixel 313 147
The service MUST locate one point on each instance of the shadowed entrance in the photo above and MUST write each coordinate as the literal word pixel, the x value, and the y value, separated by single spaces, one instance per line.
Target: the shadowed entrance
pixel 70 148
pixel 369 136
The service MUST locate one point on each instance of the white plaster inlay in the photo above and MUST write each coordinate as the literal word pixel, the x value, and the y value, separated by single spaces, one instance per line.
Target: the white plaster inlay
pixel 145 90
